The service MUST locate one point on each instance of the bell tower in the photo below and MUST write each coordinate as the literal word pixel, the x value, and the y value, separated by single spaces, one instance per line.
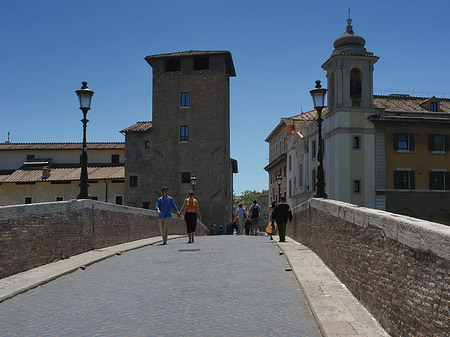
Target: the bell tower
pixel 349 136
pixel 350 72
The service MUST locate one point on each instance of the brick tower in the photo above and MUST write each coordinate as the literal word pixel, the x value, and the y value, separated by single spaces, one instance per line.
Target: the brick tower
pixel 189 135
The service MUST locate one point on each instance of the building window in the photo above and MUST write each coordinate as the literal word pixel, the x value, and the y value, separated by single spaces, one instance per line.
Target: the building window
pixel 146 204
pixel 290 187
pixel 115 159
pixel 403 141
pixel 28 200
pixel 284 171
pixel 404 180
pixel 438 143
pixel 356 142
pixel 300 175
pixel 119 200
pixel 30 157
pixel 172 64
pixel 147 144
pixel 433 106
pixel 439 180
pixel 356 186
pixel 185 99
pixel 313 178
pixel 184 133
pixel 133 181
pixel 59 198
pixel 314 149
pixel 290 162
pixel 185 177
pixel 201 63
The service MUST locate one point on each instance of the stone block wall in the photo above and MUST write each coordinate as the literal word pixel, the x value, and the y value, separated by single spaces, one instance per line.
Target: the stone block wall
pixel 397 266
pixel 36 234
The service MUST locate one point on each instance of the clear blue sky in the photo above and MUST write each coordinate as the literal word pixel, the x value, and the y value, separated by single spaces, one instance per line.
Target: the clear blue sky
pixel 278 47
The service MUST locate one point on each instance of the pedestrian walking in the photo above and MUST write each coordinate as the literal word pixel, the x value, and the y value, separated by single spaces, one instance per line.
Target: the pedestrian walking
pixel 281 214
pixel 164 207
pixel 271 228
pixel 191 214
pixel 255 214
pixel 241 215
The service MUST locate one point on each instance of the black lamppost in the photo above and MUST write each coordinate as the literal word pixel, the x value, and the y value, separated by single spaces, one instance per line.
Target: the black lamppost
pixel 318 95
pixel 279 179
pixel 85 98
pixel 193 182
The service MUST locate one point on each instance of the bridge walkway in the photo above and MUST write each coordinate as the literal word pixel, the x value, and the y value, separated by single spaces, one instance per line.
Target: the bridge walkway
pixel 218 286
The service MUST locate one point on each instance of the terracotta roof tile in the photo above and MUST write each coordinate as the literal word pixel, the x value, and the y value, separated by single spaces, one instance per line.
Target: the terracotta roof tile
pixel 60 146
pixel 138 127
pixel 407 103
pixel 64 174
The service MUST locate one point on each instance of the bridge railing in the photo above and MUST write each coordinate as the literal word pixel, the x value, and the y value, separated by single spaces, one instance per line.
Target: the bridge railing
pixel 397 266
pixel 36 234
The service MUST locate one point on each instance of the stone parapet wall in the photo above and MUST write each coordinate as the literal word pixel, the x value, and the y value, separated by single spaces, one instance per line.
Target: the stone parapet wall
pixel 397 266
pixel 35 234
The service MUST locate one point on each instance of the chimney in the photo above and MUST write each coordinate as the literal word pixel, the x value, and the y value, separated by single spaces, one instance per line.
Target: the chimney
pixel 45 172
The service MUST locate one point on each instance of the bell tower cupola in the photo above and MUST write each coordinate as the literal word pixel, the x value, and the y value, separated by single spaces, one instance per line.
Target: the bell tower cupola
pixel 350 72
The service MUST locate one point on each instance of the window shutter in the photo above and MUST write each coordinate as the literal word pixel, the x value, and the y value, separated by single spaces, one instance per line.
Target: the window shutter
pixel 430 143
pixel 447 181
pixel 396 179
pixel 411 141
pixel 446 143
pixel 412 181
pixel 395 141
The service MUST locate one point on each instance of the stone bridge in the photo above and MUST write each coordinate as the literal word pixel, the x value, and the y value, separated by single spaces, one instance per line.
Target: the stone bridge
pixel 396 266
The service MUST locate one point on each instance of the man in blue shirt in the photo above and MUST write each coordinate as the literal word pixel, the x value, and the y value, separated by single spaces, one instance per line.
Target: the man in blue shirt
pixel 164 207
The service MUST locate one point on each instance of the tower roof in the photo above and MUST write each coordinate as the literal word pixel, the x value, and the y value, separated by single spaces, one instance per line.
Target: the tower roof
pixel 349 38
pixel 350 43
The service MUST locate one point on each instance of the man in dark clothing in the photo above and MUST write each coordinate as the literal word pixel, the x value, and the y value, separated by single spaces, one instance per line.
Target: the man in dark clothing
pixel 281 214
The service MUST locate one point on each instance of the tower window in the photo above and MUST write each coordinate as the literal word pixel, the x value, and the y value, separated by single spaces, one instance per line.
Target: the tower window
pixel 201 63
pixel 185 99
pixel 356 186
pixel 147 144
pixel 355 87
pixel 172 64
pixel 184 133
pixel 133 181
pixel 185 177
pixel 356 142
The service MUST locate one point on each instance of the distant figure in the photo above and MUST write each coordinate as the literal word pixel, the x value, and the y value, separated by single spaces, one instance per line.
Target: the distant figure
pixel 255 214
pixel 164 207
pixel 281 214
pixel 192 211
pixel 242 215
pixel 272 222
pixel 214 229
pixel 221 230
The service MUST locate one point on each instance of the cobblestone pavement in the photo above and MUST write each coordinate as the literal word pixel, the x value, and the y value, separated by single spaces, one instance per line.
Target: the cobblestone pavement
pixel 218 286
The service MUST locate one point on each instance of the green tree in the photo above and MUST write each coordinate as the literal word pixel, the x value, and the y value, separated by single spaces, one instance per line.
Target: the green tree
pixel 248 197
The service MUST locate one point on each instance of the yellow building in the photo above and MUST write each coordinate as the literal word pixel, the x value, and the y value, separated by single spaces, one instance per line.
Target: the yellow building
pixel 43 172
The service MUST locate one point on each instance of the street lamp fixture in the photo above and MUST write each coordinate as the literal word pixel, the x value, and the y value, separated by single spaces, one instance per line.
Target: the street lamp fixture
pixel 193 182
pixel 279 180
pixel 85 98
pixel 318 96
